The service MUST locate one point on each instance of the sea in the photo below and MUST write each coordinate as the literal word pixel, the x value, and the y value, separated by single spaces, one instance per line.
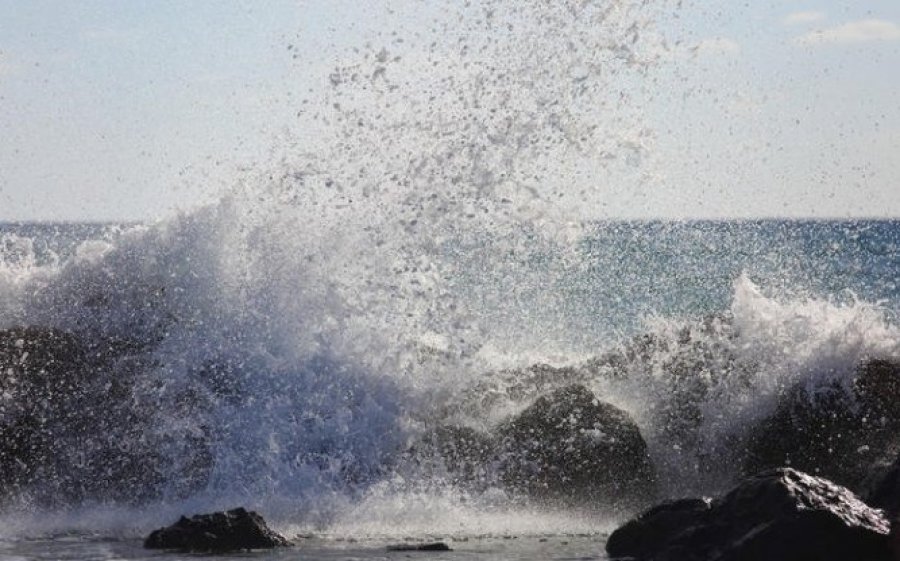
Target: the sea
pixel 438 217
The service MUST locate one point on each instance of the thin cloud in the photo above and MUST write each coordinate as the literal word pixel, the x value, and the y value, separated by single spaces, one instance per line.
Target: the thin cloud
pixel 862 31
pixel 799 18
pixel 716 46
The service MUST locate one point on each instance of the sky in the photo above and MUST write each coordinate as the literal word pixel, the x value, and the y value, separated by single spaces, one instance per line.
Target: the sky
pixel 120 110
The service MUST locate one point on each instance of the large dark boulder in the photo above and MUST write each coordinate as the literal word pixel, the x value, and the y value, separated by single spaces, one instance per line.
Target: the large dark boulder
pixel 234 530
pixel 836 431
pixel 780 515
pixel 884 491
pixel 667 523
pixel 569 447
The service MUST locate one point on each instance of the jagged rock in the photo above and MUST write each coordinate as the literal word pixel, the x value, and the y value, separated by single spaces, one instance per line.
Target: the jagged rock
pixel 572 448
pixel 233 530
pixel 780 515
pixel 838 432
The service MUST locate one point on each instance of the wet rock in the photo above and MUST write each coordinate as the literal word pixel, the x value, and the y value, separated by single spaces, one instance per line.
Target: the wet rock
pixel 436 546
pixel 569 447
pixel 837 432
pixel 234 530
pixel 665 523
pixel 884 492
pixel 682 374
pixel 780 515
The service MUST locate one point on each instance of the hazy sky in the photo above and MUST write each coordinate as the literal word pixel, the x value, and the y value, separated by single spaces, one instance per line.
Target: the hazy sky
pixel 113 109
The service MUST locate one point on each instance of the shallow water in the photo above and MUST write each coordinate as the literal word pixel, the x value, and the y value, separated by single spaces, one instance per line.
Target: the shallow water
pixel 500 548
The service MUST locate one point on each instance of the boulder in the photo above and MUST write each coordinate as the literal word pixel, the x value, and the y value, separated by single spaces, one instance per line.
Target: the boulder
pixel 884 493
pixel 518 385
pixel 835 431
pixel 569 447
pixel 666 523
pixel 234 530
pixel 780 515
pixel 435 546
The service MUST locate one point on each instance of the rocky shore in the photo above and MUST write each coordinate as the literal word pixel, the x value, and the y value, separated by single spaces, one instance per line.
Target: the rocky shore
pixel 816 477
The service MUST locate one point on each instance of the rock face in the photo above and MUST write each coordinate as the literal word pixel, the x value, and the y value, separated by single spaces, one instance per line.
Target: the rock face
pixel 233 530
pixel 780 515
pixel 569 447
pixel 838 433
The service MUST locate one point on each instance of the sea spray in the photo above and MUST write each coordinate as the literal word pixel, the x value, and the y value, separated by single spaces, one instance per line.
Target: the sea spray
pixel 285 347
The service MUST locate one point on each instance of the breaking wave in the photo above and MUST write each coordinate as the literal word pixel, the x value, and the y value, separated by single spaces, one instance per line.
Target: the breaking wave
pixel 286 347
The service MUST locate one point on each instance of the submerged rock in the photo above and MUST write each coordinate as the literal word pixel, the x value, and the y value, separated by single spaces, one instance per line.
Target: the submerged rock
pixel 234 530
pixel 569 447
pixel 838 432
pixel 436 546
pixel 780 515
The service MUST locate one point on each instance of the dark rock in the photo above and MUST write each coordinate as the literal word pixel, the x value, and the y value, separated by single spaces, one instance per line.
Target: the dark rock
pixel 436 546
pixel 683 374
pixel 571 448
pixel 885 491
pixel 836 432
pixel 665 523
pixel 76 424
pixel 233 530
pixel 781 515
pixel 44 376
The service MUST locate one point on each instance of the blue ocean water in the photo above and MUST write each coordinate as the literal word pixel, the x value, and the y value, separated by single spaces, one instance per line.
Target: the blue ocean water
pixel 626 271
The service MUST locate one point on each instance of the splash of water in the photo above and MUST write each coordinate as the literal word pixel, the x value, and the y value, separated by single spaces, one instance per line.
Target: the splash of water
pixel 336 303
